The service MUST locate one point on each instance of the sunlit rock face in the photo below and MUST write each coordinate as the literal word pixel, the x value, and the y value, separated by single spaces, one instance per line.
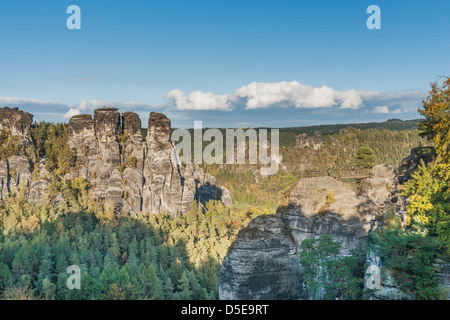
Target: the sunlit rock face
pixel 15 170
pixel 18 122
pixel 134 175
pixel 263 262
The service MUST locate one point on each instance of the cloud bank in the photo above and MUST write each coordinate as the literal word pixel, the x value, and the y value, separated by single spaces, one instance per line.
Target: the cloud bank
pixel 286 95
pixel 198 100
pixel 293 94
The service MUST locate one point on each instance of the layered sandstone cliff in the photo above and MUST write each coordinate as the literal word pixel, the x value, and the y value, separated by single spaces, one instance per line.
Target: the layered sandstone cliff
pixel 15 170
pixel 123 170
pixel 132 174
pixel 271 268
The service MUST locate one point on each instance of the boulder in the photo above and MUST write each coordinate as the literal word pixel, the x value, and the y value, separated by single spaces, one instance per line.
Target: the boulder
pixel 380 184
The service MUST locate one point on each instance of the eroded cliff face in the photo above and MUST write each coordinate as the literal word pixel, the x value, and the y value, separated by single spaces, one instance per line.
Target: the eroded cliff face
pixel 123 170
pixel 303 140
pixel 135 175
pixel 309 214
pixel 263 262
pixel 381 184
pixel 18 122
pixel 412 162
pixel 15 170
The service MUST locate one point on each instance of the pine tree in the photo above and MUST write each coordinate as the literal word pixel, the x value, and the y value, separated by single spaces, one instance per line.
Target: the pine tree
pixel 48 289
pixel 365 158
pixel 183 288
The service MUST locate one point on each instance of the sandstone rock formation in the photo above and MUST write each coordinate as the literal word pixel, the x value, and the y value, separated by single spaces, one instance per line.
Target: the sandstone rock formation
pixel 303 140
pixel 347 219
pixel 275 239
pixel 412 162
pixel 15 170
pixel 18 122
pixel 135 175
pixel 380 185
pixel 268 247
pixel 262 263
pixel 123 170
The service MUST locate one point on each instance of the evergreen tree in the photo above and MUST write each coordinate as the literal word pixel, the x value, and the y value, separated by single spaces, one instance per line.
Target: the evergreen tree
pixel 365 158
pixel 183 288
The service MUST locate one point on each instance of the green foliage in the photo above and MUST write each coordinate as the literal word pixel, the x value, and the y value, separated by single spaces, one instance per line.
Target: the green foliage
pixel 411 256
pixel 51 141
pixel 328 276
pixel 130 260
pixel 10 145
pixel 330 197
pixel 436 125
pixel 429 189
pixel 148 257
pixel 133 161
pixel 365 158
pixel 124 137
pixel 164 257
pixel 429 195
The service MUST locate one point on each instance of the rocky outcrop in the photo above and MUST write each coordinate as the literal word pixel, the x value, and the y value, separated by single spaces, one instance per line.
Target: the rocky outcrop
pixel 316 206
pixel 18 122
pixel 15 170
pixel 4 179
pixel 19 170
pixel 389 288
pixel 444 278
pixel 38 189
pixel 412 162
pixel 312 212
pixel 135 175
pixel 380 184
pixel 122 169
pixel 262 264
pixel 303 140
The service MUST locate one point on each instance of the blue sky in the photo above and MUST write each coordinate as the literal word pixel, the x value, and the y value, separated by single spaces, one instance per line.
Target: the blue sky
pixel 225 62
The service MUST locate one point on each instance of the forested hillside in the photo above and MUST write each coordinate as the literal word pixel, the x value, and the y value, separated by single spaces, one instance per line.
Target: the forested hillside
pixel 153 256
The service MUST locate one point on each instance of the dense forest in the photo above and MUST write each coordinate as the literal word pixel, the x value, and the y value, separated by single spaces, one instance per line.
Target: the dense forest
pixel 179 257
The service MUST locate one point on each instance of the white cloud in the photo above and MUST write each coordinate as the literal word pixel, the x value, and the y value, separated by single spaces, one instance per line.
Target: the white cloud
pixel 12 101
pixel 381 109
pixel 255 96
pixel 72 112
pixel 259 95
pixel 198 100
pixel 65 110
pixel 264 95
